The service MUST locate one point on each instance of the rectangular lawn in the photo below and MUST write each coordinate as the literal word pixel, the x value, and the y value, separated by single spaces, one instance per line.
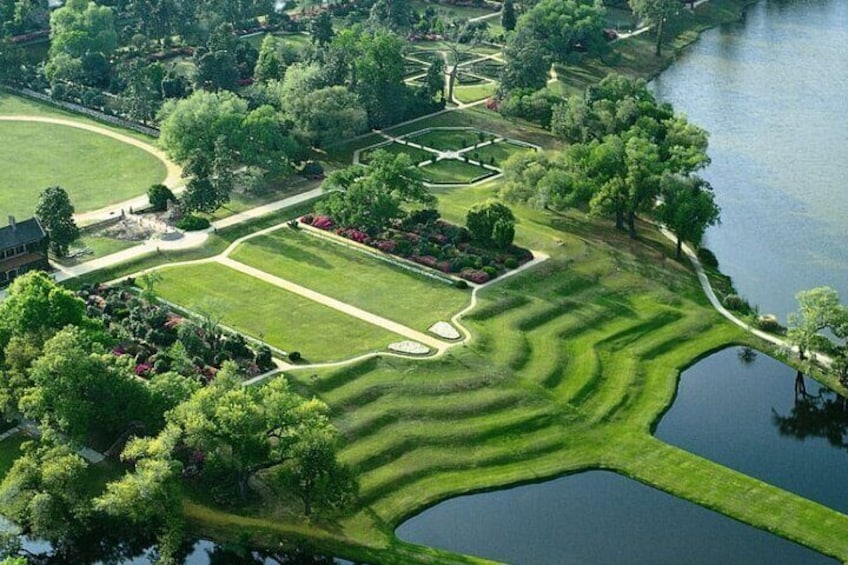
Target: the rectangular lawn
pixel 264 311
pixel 449 139
pixel 452 171
pixel 417 155
pixel 353 277
pixel 499 151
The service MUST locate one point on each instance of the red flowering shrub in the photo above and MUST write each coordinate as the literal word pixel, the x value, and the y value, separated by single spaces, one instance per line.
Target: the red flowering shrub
pixel 323 223
pixel 474 275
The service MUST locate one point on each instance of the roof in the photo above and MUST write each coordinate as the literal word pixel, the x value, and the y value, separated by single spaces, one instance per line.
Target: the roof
pixel 26 231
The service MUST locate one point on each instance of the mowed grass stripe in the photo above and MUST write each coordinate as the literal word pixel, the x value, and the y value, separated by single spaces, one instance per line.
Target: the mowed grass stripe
pixel 96 170
pixel 347 275
pixel 264 311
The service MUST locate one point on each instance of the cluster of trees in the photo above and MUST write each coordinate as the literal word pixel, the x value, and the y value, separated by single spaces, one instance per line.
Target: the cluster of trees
pixel 821 324
pixel 371 198
pixel 58 368
pixel 627 155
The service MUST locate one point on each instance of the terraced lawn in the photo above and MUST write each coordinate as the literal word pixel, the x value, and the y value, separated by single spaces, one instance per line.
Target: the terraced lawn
pixel 474 92
pixel 263 311
pixel 453 171
pixel 353 277
pixel 95 170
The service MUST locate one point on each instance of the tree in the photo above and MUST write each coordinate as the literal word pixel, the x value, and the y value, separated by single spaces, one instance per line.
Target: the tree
pixel 321 29
pixel 379 78
pixel 36 305
pixel 818 309
pixel 656 13
pixel 217 70
pixel 158 195
pixel 434 81
pixel 328 114
pixel 270 64
pixel 44 492
pixel 244 430
pixel 56 214
pixel 687 208
pixel 315 473
pixel 564 27
pixel 395 15
pixel 80 27
pixel 527 63
pixel 369 199
pixel 508 15
pixel 485 219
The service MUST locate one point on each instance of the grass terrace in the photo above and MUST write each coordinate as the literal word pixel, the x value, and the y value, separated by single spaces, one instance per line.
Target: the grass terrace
pixel 263 311
pixel 453 171
pixel 467 93
pixel 353 277
pixel 96 170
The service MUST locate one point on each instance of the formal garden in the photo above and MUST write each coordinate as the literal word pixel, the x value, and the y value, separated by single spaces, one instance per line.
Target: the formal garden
pixel 552 318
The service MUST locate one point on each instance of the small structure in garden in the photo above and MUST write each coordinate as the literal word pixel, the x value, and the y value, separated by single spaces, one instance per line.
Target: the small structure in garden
pixel 23 248
pixel 445 330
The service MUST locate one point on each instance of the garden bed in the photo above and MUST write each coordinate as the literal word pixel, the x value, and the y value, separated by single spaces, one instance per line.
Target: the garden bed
pixel 496 153
pixel 426 240
pixel 417 155
pixel 444 139
pixel 160 340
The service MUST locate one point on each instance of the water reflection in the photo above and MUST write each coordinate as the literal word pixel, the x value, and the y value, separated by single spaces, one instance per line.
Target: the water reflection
pixel 761 417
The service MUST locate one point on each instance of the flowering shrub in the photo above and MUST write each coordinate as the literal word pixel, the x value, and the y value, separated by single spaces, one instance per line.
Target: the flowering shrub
pixel 474 276
pixel 323 223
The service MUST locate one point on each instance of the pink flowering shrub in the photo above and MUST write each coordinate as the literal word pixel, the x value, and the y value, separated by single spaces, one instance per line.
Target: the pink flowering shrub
pixel 474 275
pixel 323 223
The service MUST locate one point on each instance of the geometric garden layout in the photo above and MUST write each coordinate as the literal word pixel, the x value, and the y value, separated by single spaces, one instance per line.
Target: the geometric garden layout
pixel 450 156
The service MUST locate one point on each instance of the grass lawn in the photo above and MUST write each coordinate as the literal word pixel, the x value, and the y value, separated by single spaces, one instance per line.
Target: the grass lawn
pixel 353 277
pixel 452 11
pixel 449 139
pixel 417 155
pixel 474 92
pixel 100 247
pixel 263 311
pixel 501 151
pixel 453 171
pixel 95 170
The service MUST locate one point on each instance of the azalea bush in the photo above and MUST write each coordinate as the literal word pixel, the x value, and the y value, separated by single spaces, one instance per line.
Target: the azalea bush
pixel 423 238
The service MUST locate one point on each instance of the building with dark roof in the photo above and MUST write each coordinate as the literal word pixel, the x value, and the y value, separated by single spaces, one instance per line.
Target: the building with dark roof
pixel 23 247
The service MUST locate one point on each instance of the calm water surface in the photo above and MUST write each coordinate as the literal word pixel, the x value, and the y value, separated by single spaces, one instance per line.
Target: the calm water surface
pixel 772 93
pixel 596 517
pixel 746 416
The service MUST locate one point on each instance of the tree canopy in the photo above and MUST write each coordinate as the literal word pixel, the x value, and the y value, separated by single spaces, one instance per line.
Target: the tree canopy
pixel 56 214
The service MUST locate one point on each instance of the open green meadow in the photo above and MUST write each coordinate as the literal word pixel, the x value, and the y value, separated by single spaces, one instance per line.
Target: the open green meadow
pixel 283 319
pixel 96 170
pixel 353 277
pixel 453 171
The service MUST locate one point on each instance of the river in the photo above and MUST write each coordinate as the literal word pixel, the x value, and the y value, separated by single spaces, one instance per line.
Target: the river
pixel 771 91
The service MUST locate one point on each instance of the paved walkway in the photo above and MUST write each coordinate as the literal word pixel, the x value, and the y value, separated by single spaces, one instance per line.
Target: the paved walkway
pixel 173 178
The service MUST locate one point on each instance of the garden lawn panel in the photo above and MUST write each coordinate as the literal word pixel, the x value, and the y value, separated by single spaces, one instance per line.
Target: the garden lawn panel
pixel 474 92
pixel 452 171
pixel 448 139
pixel 96 170
pixel 353 277
pixel 500 151
pixel 415 154
pixel 264 311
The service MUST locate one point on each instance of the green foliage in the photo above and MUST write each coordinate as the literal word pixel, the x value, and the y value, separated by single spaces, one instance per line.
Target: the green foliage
pixel 36 305
pixel 656 13
pixel 527 63
pixel 491 222
pixel 707 258
pixel 508 19
pixel 370 198
pixel 56 214
pixel 819 309
pixel 80 27
pixel 158 195
pixel 270 65
pixel 564 26
pixel 688 208
pixel 321 28
pixel 44 492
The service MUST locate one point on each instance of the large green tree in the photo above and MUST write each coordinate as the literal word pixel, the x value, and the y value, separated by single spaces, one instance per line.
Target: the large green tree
pixel 565 27
pixel 657 13
pixel 369 199
pixel 56 214
pixel 687 208
pixel 819 309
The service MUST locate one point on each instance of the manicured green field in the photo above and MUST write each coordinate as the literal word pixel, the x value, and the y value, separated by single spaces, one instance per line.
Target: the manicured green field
pixel 452 171
pixel 452 11
pixel 96 170
pixel 500 151
pixel 417 155
pixel 449 139
pixel 263 311
pixel 353 277
pixel 99 247
pixel 474 92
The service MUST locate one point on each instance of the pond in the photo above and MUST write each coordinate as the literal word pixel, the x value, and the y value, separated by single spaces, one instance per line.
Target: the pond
pixel 595 517
pixel 744 413
pixel 770 90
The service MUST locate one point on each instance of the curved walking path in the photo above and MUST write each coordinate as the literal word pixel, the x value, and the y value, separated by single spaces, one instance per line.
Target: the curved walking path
pixel 173 177
pixel 716 303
